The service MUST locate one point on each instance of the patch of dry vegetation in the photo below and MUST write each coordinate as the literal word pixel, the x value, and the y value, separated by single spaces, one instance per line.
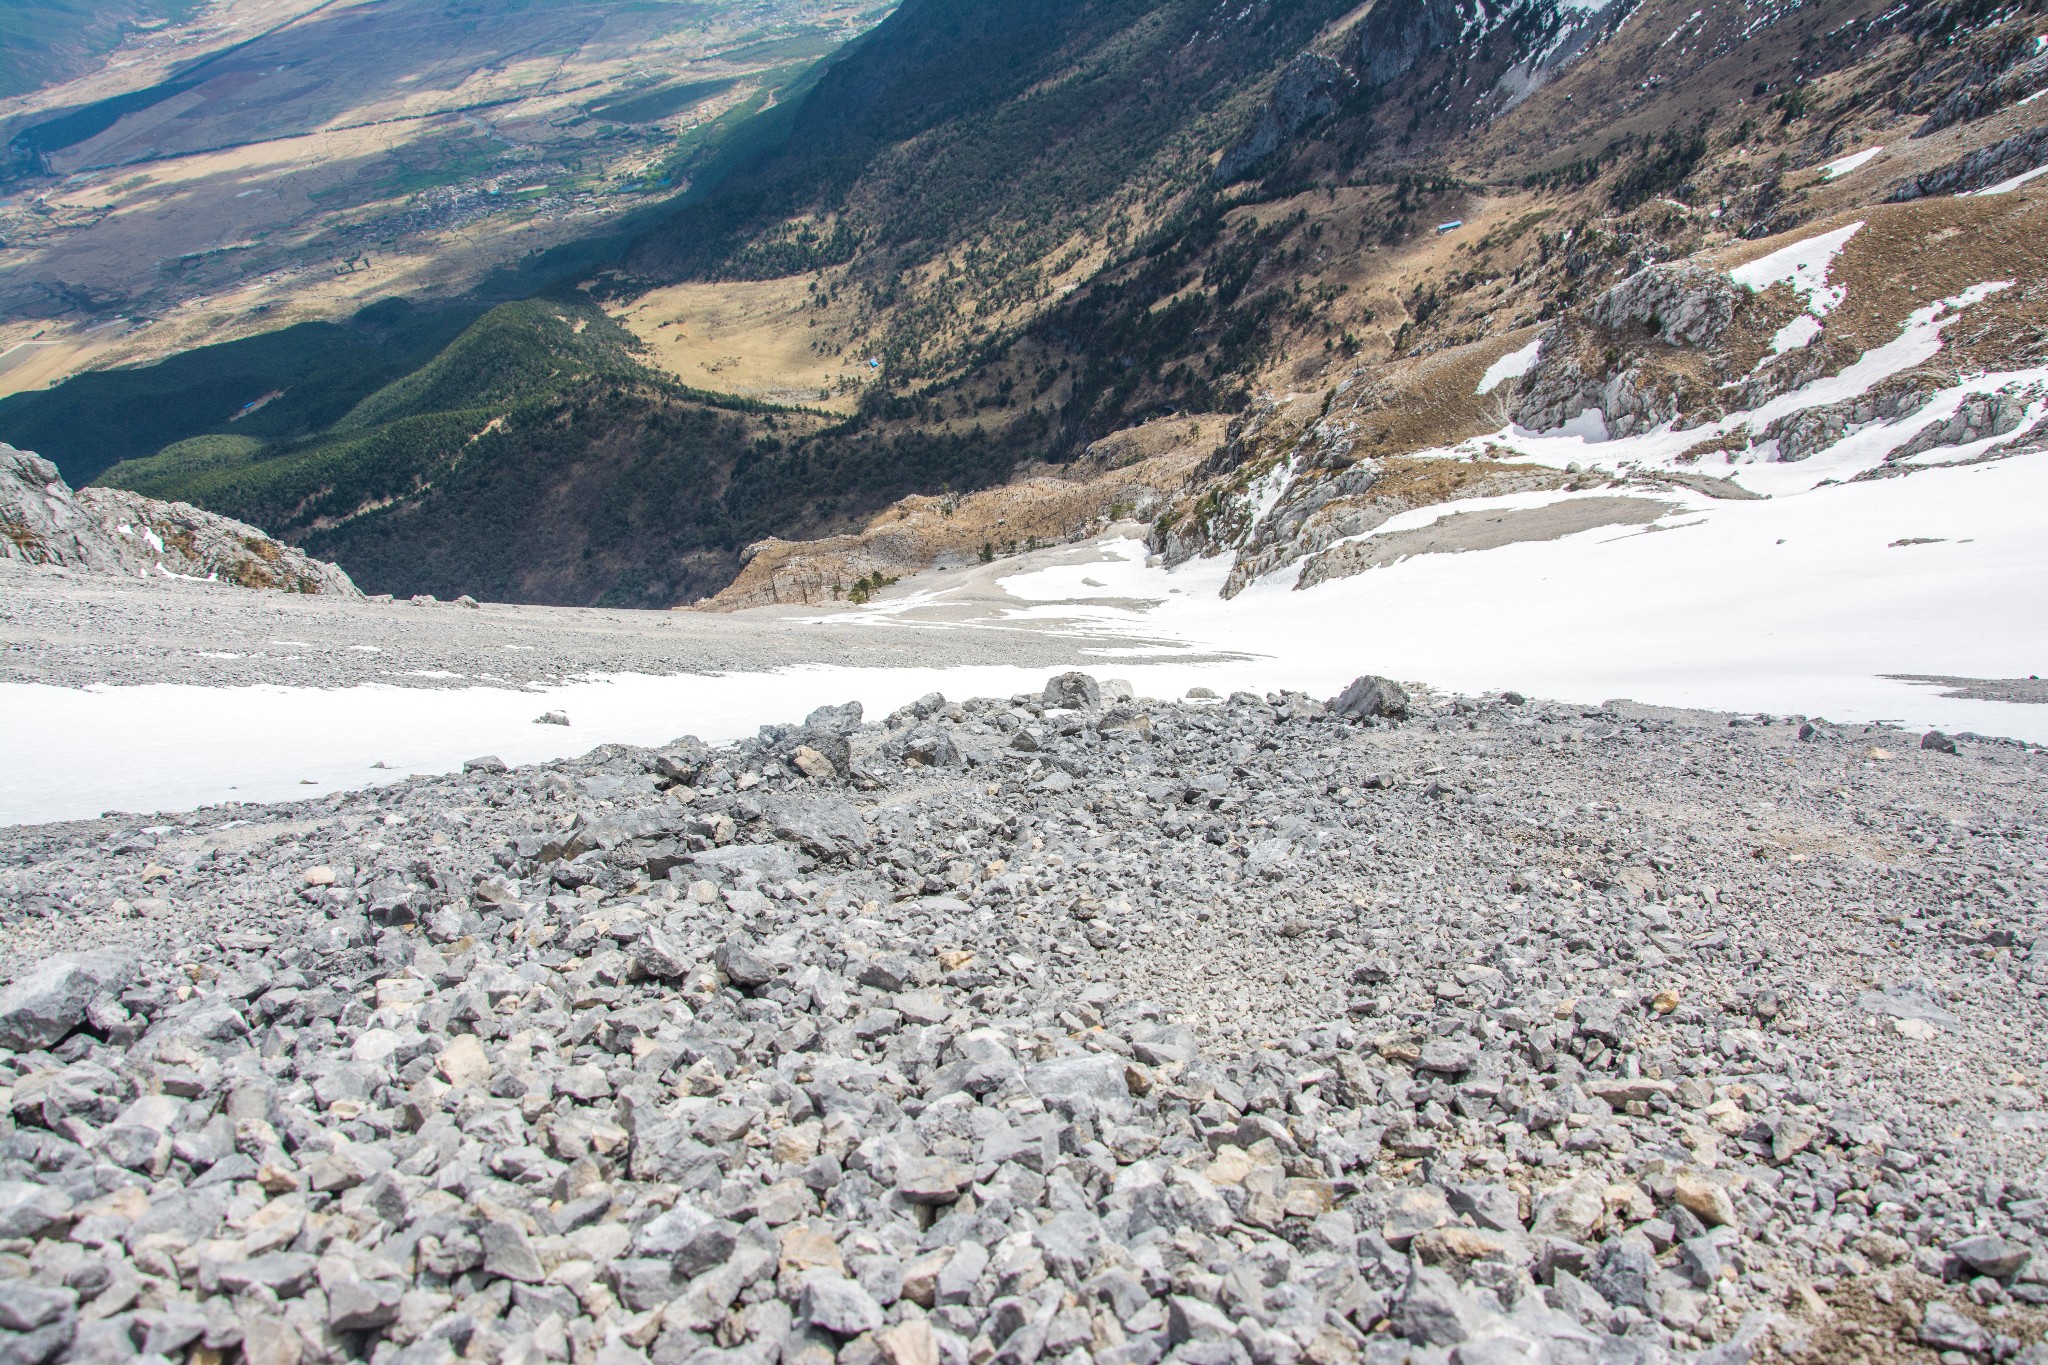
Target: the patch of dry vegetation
pixel 1127 476
pixel 764 339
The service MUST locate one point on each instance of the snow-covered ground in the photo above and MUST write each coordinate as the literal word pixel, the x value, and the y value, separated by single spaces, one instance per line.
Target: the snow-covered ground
pixel 173 747
pixel 1842 166
pixel 1801 603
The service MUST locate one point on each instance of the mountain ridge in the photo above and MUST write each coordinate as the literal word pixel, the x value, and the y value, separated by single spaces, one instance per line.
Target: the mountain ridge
pixel 1279 233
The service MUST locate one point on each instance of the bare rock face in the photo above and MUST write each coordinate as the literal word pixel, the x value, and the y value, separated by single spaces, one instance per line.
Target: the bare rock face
pixel 1611 357
pixel 1307 90
pixel 111 530
pixel 1681 305
pixel 2018 154
pixel 40 521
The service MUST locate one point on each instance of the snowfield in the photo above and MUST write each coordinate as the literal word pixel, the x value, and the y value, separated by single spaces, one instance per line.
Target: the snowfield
pixel 1802 603
pixel 1803 265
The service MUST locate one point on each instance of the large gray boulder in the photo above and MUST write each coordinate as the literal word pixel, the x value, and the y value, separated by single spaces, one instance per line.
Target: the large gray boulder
pixel 1076 691
pixel 931 747
pixel 1096 1079
pixel 824 828
pixel 839 1305
pixel 1432 1309
pixel 1372 698
pixel 690 1238
pixel 27 1208
pixel 765 862
pixel 49 999
pixel 835 720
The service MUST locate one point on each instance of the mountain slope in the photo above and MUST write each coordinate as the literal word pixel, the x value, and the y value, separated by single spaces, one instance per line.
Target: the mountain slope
pixel 496 415
pixel 1027 227
pixel 967 161
pixel 536 458
pixel 43 42
pixel 914 99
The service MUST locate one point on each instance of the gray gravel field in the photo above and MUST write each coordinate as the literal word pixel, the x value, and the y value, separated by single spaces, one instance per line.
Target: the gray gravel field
pixel 77 629
pixel 1066 1027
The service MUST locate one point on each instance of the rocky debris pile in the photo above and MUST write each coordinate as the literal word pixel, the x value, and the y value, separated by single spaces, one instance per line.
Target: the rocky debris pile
pixel 1071 1027
pixel 1282 490
pixel 111 530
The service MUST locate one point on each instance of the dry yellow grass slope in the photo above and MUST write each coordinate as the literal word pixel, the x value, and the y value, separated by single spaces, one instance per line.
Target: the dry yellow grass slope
pixel 762 339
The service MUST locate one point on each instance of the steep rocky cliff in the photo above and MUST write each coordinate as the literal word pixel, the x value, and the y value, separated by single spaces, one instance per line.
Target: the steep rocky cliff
pixel 110 530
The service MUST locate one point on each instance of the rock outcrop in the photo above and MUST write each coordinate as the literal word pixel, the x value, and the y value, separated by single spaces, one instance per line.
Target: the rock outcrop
pixel 1981 169
pixel 1307 90
pixel 1131 474
pixel 1620 356
pixel 111 530
pixel 1679 304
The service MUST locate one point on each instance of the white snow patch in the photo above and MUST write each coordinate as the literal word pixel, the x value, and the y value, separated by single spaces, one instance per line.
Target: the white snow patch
pixel 1128 573
pixel 1803 265
pixel 1799 332
pixel 1513 365
pixel 173 747
pixel 1589 425
pixel 1840 167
